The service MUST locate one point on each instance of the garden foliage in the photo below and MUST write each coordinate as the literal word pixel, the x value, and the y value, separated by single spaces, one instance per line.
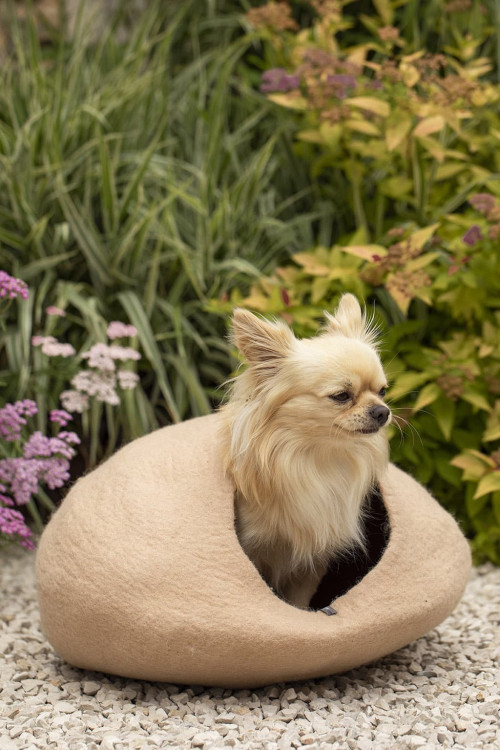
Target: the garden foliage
pixel 405 144
pixel 155 175
pixel 139 177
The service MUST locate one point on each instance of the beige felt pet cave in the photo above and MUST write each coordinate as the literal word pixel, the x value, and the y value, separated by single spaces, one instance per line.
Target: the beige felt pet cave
pixel 140 574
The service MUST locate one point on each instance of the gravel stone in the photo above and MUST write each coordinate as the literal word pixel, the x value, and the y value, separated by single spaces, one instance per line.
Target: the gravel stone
pixel 442 691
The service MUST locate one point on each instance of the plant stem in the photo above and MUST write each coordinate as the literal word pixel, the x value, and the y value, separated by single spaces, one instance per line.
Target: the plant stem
pixel 35 516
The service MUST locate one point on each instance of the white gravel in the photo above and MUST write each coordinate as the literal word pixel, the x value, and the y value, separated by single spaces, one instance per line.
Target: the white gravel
pixel 441 691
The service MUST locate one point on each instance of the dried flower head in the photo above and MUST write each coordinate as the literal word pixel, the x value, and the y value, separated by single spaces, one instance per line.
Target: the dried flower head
pixel 388 33
pixel 482 202
pixel 275 15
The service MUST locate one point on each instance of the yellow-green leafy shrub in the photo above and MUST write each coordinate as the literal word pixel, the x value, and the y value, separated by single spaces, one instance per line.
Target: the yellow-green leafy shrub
pixel 404 142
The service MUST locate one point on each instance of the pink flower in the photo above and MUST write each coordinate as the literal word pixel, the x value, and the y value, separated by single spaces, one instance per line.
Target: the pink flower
pixel 99 356
pixel 123 352
pixel 98 384
pixel 127 380
pixel 11 287
pixel 51 310
pixel 117 330
pixel 51 347
pixel 74 401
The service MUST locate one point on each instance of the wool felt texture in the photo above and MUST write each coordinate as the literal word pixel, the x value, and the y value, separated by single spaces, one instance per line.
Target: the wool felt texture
pixel 140 574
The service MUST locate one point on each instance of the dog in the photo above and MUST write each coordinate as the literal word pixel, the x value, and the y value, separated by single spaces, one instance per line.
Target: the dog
pixel 304 442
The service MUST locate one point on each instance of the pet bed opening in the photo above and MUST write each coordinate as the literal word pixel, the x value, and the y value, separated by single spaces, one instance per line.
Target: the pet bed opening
pixel 347 570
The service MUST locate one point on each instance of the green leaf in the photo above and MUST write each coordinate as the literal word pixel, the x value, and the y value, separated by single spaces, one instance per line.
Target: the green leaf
pixel 489 483
pixel 371 104
pixel 398 125
pixel 292 100
pixel 444 411
pixel 492 433
pixel 427 396
pixel 137 315
pixel 407 383
pixel 473 464
pixel 385 11
pixel 87 237
pixel 495 501
pixel 364 251
pixel 476 399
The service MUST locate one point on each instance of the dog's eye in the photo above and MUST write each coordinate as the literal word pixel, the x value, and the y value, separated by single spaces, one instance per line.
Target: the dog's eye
pixel 382 392
pixel 340 397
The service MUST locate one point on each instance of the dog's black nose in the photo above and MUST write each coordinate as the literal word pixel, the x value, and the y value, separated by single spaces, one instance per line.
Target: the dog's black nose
pixel 380 414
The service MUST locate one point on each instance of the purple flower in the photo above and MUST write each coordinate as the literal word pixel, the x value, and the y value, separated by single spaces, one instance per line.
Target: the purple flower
pixel 472 235
pixel 277 79
pixel 60 416
pixel 69 437
pixel 11 287
pixel 44 460
pixel 4 499
pixel 22 476
pixel 54 473
pixel 12 524
pixel 37 445
pixel 13 418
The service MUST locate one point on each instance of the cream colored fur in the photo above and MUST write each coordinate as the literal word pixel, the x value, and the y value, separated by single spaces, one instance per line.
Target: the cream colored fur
pixel 301 464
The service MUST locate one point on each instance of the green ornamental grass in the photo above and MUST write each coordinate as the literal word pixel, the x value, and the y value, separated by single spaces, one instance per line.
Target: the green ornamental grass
pixel 141 175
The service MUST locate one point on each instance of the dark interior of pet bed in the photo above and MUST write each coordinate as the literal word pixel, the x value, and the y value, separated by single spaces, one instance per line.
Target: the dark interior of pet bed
pixel 345 572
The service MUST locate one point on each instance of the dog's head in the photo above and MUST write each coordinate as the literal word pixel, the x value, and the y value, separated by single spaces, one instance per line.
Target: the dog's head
pixel 332 385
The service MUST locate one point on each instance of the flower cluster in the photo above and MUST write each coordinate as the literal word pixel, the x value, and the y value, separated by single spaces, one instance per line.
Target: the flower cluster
pixel 57 311
pixel 44 460
pixel 13 525
pixel 487 205
pixel 118 330
pixel 13 418
pixel 104 375
pixel 51 347
pixel 11 287
pixel 277 79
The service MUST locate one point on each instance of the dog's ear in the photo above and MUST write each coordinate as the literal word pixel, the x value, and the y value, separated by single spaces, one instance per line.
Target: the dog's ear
pixel 263 343
pixel 349 320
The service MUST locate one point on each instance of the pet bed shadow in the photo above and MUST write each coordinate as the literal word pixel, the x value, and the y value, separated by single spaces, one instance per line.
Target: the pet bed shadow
pixel 140 574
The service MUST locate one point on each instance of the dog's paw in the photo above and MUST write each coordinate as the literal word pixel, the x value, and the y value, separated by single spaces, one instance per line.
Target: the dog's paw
pixel 328 610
